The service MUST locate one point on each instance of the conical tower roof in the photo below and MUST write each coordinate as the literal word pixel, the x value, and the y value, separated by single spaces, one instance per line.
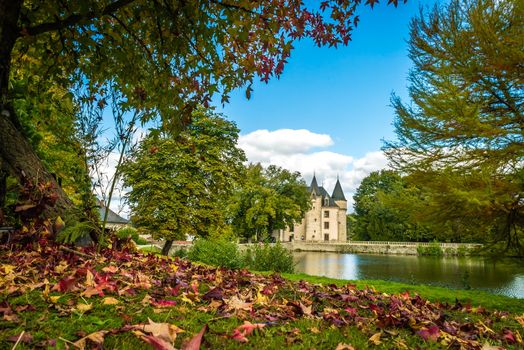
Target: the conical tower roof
pixel 338 194
pixel 314 186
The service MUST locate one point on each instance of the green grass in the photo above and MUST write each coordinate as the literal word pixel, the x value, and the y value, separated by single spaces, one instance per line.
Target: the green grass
pixel 58 320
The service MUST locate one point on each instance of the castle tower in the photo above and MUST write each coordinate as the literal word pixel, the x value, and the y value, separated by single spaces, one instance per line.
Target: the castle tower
pixel 312 227
pixel 342 203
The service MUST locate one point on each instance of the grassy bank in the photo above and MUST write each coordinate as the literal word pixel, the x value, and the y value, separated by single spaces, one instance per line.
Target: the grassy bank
pixel 432 293
pixel 120 299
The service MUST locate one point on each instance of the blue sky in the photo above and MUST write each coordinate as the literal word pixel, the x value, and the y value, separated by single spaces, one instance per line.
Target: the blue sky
pixel 329 111
pixel 339 96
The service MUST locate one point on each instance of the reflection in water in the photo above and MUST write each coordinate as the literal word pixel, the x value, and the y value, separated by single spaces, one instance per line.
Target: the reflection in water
pixel 502 277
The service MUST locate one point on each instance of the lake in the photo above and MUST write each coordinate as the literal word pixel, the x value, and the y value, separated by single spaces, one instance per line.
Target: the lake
pixel 502 277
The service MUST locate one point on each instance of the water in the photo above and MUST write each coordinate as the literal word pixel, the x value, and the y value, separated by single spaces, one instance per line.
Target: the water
pixel 502 277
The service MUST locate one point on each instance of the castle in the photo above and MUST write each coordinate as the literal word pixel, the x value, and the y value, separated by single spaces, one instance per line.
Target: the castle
pixel 325 221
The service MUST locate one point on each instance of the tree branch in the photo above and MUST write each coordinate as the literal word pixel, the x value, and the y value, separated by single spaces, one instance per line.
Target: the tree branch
pixel 74 19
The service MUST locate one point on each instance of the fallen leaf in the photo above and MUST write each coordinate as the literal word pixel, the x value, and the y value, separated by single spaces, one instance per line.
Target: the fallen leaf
pixel 430 333
pixel 342 346
pixel 110 301
pixel 314 330
pixel 23 337
pixel 241 332
pixel 96 337
pixel 194 343
pixel 236 304
pixel 487 346
pixel 110 268
pixel 157 343
pixel 375 338
pixel 84 307
pixel 165 331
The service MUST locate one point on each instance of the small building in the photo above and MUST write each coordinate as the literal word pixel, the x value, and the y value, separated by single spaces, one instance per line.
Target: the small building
pixel 325 221
pixel 114 221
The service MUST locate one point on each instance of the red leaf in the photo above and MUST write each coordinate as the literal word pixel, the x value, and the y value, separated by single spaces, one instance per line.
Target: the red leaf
pixel 194 343
pixel 431 333
pixel 157 343
pixel 240 333
pixel 66 284
pixel 509 336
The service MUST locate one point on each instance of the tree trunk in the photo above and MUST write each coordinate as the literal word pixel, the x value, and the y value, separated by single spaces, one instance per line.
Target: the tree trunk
pixel 167 247
pixel 16 154
pixel 20 159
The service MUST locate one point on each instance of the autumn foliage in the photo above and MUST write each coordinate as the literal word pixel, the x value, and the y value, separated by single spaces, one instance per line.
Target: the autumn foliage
pixel 75 283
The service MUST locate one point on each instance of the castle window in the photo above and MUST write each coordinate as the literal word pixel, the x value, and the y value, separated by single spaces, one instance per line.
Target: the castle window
pixel 326 225
pixel 326 202
pixel 326 213
pixel 292 228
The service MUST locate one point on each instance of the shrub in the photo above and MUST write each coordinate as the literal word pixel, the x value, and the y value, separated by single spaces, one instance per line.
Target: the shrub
pixel 131 232
pixel 216 252
pixel 180 253
pixel 151 249
pixel 433 249
pixel 266 257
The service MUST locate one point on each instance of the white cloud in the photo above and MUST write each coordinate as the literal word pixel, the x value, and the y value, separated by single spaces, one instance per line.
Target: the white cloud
pixel 261 143
pixel 295 150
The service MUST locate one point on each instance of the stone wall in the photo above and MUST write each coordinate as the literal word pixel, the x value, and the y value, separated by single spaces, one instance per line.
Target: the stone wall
pixel 396 248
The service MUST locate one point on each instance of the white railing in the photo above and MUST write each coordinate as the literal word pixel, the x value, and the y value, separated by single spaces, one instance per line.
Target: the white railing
pixel 384 243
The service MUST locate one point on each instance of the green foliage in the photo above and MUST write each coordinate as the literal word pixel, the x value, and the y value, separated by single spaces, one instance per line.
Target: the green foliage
pixel 179 184
pixel 433 249
pixel 72 232
pixel 380 209
pixel 216 252
pixel 268 199
pixel 461 138
pixel 132 233
pixel 269 257
pixel 180 253
pixel 257 257
pixel 47 119
pixel 171 56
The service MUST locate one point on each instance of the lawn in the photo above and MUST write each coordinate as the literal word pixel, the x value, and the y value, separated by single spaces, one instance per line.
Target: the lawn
pixel 121 299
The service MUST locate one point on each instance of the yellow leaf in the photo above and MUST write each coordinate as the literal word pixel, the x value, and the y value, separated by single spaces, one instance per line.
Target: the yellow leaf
pixel 61 267
pixel 375 338
pixel 163 331
pixel 96 337
pixel 187 300
pixel 314 330
pixel 174 267
pixel 84 307
pixel 90 279
pixel 8 268
pixel 110 301
pixel 111 268
pixel 146 300
pixel 54 298
pixel 342 346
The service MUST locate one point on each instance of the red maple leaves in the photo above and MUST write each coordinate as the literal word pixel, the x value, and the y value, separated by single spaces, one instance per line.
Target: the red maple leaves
pixel 260 301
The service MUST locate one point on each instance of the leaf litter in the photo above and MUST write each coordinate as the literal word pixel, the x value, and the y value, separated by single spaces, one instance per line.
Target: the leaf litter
pixel 260 301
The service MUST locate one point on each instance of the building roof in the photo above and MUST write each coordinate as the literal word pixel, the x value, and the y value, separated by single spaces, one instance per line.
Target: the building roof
pixel 313 188
pixel 321 191
pixel 112 217
pixel 338 194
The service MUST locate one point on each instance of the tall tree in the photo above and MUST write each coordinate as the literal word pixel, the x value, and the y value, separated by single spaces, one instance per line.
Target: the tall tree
pixel 383 202
pixel 167 56
pixel 269 199
pixel 179 185
pixel 462 137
